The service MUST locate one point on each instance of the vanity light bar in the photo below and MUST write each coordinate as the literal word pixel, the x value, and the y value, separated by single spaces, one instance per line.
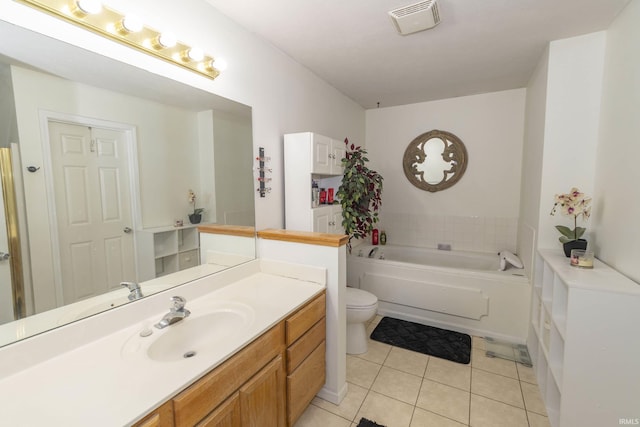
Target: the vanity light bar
pixel 129 31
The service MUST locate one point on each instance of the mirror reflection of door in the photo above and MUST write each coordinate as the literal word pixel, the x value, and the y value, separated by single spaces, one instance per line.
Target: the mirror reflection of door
pixel 90 168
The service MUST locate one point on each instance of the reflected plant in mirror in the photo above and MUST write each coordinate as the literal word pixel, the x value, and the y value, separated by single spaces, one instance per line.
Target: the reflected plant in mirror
pixel 101 152
pixel 196 216
pixel 435 160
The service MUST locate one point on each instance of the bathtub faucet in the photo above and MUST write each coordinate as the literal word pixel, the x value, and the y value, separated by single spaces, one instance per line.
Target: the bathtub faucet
pixel 372 252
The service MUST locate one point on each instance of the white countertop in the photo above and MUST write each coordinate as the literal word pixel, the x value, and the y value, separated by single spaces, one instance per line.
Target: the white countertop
pixel 95 385
pixel 599 278
pixel 42 322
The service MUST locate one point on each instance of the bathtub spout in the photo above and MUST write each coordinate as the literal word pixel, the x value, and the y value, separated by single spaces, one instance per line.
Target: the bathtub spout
pixel 372 252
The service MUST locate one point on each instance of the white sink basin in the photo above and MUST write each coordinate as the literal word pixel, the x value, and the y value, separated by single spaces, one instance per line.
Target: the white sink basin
pixel 197 334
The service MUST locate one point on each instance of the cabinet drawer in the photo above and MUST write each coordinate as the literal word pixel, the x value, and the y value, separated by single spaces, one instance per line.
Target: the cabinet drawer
pixel 305 345
pixel 305 382
pixel 188 259
pixel 198 400
pixel 300 322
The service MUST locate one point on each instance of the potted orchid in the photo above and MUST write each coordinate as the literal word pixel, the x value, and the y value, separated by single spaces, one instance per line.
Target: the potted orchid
pixel 196 216
pixel 573 204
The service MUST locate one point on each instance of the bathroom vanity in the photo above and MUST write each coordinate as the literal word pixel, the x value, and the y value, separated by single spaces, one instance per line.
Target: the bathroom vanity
pixel 265 363
pixel 272 380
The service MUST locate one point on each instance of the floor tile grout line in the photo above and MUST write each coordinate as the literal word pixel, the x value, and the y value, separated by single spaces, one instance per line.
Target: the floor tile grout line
pixel 369 389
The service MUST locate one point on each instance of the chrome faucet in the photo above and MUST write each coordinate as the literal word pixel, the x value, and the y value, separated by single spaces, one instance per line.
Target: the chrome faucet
pixel 176 313
pixel 372 252
pixel 134 290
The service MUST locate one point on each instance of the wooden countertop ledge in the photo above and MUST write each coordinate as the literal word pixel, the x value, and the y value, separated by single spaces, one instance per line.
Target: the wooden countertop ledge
pixel 307 237
pixel 232 230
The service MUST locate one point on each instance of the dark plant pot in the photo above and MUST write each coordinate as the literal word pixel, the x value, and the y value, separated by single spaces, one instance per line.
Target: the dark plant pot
pixel 195 218
pixel 574 244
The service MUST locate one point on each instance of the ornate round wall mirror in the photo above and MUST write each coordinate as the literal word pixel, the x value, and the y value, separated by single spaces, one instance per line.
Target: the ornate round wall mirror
pixel 435 160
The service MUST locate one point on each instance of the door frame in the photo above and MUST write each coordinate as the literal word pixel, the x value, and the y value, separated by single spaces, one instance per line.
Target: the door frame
pixel 134 182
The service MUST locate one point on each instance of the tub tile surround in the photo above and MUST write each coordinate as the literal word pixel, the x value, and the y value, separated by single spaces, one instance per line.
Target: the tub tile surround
pixel 434 392
pixel 463 233
pixel 82 362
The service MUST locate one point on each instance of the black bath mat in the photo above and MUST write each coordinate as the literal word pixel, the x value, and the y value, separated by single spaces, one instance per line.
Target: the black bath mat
pixel 368 423
pixel 425 339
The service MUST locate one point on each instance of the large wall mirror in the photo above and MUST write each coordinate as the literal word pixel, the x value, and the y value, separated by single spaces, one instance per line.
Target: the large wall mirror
pixel 435 160
pixel 81 129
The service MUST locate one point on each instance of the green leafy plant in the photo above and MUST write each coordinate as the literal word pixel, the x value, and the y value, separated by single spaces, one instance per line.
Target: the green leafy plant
pixel 572 204
pixel 360 193
pixel 191 196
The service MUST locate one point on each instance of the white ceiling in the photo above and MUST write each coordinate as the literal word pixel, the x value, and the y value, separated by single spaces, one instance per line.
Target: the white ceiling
pixel 480 46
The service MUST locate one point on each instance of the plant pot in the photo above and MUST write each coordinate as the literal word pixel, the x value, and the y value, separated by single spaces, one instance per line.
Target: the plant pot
pixel 196 218
pixel 574 244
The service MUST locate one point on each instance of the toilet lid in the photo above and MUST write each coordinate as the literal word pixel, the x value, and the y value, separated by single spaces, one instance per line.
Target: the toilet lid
pixel 359 298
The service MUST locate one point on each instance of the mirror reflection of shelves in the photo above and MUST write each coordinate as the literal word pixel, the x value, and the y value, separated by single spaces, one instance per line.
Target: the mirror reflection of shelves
pixel 166 250
pixel 579 343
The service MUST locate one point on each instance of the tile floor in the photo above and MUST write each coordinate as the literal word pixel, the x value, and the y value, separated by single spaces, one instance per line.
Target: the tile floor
pixel 401 388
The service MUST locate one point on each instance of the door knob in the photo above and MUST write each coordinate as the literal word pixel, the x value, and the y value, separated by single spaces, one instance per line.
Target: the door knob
pixel 127 230
pixel 4 256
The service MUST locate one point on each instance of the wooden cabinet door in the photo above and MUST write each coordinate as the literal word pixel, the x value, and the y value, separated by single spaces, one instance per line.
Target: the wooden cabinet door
pixel 225 415
pixel 161 417
pixel 262 399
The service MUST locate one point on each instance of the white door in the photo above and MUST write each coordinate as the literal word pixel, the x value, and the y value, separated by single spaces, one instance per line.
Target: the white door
pixel 91 187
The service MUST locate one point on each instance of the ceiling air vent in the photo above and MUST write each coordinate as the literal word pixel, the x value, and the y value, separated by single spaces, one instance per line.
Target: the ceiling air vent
pixel 416 17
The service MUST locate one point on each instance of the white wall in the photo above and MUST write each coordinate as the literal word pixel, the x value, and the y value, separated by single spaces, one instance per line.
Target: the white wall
pixel 615 229
pixel 532 160
pixel 232 154
pixel 480 211
pixel 574 86
pixel 8 127
pixel 285 97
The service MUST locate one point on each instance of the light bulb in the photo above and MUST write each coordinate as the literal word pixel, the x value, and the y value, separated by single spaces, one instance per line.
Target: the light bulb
pixel 195 54
pixel 164 41
pixel 132 23
pixel 90 7
pixel 219 64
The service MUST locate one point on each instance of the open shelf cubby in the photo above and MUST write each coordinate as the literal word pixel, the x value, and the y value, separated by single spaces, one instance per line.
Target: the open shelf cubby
pixel 584 361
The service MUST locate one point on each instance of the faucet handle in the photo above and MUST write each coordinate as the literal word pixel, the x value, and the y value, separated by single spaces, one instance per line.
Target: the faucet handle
pixel 132 286
pixel 178 303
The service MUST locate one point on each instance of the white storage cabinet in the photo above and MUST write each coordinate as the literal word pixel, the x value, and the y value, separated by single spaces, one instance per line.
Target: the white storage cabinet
pixel 584 342
pixel 165 250
pixel 311 157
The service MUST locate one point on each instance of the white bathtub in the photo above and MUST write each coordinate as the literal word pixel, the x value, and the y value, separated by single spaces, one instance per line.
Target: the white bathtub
pixel 462 291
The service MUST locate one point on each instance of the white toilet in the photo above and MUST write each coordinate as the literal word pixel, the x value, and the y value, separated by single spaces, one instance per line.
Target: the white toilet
pixel 361 307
